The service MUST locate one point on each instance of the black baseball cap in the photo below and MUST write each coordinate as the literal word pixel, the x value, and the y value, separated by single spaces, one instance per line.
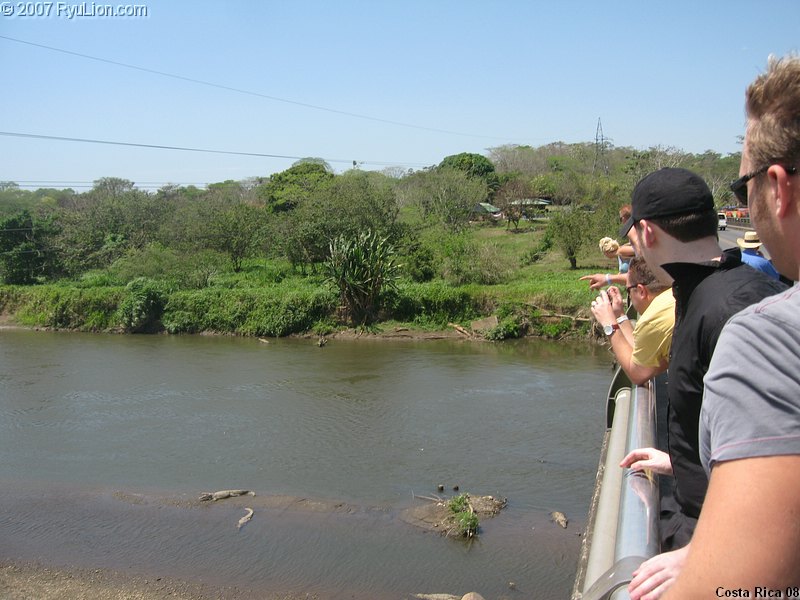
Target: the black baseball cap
pixel 668 192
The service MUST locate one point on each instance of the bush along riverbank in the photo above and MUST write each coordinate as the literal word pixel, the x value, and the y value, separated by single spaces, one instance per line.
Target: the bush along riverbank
pixel 551 306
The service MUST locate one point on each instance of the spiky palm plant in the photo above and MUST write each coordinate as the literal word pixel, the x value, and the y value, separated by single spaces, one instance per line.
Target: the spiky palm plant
pixel 362 268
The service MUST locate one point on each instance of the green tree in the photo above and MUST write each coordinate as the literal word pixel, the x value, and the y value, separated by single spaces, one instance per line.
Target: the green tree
pixel 284 191
pixel 524 160
pixel 606 198
pixel 14 200
pixel 474 165
pixel 224 218
pixel 238 230
pixel 446 196
pixel 640 163
pixel 112 186
pixel 348 204
pixel 568 229
pixel 26 252
pixel 99 226
pixel 717 171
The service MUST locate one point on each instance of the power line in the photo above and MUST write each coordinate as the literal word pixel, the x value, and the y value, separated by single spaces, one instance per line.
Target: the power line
pixel 248 92
pixel 75 181
pixel 151 185
pixel 186 149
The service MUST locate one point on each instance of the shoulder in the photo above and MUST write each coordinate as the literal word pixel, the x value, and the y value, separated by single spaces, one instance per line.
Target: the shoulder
pixel 781 309
pixel 665 300
pixel 750 403
pixel 728 291
pixel 662 308
pixel 764 326
pixel 752 280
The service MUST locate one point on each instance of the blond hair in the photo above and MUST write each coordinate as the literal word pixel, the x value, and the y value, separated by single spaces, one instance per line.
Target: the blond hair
pixel 608 245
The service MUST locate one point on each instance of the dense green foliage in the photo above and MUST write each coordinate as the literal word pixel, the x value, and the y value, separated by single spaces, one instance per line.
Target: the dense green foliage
pixel 260 312
pixel 61 307
pixel 141 309
pixel 25 250
pixel 246 256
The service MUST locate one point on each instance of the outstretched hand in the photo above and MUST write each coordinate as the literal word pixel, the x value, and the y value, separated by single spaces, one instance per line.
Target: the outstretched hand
pixel 648 458
pixel 596 281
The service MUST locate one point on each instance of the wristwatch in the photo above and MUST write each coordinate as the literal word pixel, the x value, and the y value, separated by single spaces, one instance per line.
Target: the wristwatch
pixel 610 329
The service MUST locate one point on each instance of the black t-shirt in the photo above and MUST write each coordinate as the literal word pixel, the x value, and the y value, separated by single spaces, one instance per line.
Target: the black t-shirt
pixel 706 296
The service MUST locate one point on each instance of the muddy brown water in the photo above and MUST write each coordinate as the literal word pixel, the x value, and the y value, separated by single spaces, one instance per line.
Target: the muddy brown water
pixel 107 441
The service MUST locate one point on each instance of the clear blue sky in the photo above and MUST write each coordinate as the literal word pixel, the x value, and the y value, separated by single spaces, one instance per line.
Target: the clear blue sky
pixel 465 75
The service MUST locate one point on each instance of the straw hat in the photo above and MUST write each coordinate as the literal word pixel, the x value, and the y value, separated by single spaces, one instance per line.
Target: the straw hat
pixel 750 240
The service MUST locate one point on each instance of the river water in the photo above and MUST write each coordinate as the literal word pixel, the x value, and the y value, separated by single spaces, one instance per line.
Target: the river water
pixel 107 441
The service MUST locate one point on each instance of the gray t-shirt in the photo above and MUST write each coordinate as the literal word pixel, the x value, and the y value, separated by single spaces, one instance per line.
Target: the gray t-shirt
pixel 751 402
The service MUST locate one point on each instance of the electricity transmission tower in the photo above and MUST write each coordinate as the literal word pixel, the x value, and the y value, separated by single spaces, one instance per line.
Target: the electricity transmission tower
pixel 600 143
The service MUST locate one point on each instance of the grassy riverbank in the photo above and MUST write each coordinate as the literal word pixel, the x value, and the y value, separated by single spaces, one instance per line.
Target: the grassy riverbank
pixel 545 302
pixel 267 298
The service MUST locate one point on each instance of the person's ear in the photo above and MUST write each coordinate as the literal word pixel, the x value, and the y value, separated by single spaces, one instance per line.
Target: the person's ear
pixel 647 235
pixel 783 189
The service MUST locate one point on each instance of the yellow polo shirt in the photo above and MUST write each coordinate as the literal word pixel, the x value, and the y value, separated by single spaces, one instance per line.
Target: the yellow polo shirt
pixel 652 335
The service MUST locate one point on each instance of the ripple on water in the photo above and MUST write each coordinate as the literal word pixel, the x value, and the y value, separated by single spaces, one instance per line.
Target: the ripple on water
pixel 366 424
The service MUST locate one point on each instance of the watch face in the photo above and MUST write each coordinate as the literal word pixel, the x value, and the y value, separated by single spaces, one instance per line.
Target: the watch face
pixel 608 329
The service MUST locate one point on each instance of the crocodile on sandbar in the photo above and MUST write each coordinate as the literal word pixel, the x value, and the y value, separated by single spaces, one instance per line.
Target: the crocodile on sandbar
pixel 222 494
pixel 245 518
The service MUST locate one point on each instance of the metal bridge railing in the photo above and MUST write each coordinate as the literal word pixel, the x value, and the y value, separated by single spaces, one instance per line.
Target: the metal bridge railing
pixel 622 530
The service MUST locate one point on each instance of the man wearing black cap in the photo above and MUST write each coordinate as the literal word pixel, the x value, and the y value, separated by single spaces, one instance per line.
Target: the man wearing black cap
pixel 675 224
pixel 748 538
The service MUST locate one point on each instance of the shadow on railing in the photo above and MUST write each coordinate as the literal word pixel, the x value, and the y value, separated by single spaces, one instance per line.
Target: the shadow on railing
pixel 622 529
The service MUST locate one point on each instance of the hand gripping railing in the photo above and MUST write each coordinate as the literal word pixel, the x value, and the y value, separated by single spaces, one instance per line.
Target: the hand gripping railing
pixel 623 523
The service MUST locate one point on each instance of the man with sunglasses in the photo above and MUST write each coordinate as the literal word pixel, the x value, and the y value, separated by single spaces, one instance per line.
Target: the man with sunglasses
pixel 747 542
pixel 641 351
pixel 675 223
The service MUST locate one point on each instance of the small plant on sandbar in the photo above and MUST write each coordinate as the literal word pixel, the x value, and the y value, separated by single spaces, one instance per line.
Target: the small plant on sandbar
pixel 465 520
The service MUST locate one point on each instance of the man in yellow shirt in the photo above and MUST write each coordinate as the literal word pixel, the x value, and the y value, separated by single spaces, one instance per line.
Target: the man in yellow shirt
pixel 642 351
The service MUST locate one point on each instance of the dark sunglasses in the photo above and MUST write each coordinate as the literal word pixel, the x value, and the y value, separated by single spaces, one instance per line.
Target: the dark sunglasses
pixel 631 287
pixel 739 187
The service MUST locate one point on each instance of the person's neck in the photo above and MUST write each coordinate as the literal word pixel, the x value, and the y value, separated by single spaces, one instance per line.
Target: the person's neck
pixel 698 251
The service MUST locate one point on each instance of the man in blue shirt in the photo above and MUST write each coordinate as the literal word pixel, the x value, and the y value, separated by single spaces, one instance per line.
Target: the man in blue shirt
pixel 750 245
